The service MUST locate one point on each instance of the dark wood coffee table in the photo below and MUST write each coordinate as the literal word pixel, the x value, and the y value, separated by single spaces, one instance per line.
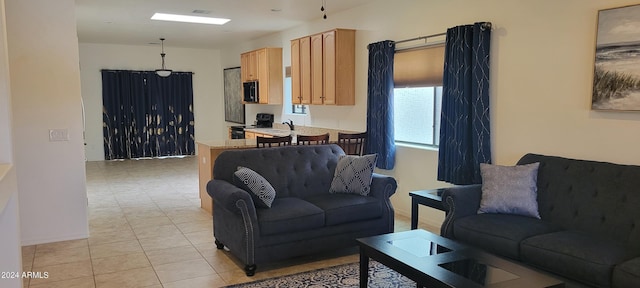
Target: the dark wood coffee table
pixel 434 261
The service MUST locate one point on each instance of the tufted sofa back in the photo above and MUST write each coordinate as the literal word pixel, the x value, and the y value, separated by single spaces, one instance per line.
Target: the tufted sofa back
pixel 293 171
pixel 596 197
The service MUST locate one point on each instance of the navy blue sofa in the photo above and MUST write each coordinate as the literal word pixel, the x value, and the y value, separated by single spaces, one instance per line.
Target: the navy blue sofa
pixel 304 217
pixel 589 231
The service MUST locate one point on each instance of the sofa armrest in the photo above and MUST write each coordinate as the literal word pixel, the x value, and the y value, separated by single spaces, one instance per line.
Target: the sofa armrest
pixel 382 186
pixel 459 202
pixel 227 196
pixel 235 221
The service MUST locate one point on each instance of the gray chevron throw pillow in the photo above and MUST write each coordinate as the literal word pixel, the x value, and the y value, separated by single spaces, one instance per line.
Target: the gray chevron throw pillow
pixel 354 174
pixel 259 188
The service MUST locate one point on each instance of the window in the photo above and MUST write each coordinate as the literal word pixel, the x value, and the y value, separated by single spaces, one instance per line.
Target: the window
pixel 417 115
pixel 299 109
pixel 418 95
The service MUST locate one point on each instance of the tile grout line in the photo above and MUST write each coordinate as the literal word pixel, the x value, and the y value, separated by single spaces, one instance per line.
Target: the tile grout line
pixel 93 271
pixel 138 240
pixel 185 236
pixel 114 195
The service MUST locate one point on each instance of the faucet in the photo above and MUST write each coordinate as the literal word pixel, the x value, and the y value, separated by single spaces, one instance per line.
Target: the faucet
pixel 290 123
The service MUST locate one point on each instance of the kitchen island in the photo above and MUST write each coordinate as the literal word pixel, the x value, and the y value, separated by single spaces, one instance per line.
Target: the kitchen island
pixel 208 151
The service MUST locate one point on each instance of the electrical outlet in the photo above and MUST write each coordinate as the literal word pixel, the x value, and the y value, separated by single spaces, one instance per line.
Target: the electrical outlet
pixel 58 135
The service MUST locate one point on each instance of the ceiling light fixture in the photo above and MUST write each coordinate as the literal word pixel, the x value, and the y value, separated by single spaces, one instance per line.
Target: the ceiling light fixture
pixel 189 19
pixel 164 72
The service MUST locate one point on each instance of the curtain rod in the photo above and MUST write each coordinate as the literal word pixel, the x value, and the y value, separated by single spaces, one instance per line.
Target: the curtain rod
pixel 483 26
pixel 421 46
pixel 140 71
pixel 420 38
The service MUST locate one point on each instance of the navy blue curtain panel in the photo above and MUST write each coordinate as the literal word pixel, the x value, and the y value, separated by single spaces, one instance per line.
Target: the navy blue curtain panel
pixel 465 122
pixel 145 115
pixel 380 138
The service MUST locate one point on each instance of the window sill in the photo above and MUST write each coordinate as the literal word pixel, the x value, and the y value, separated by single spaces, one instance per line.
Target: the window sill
pixel 417 146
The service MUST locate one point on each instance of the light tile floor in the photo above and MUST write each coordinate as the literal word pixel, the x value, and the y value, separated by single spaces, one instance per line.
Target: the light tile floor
pixel 147 230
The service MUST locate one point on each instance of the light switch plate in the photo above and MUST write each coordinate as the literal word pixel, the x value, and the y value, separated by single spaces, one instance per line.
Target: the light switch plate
pixel 58 135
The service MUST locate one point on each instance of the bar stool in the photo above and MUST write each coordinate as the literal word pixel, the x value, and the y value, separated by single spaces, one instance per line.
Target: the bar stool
pixel 352 144
pixel 263 142
pixel 313 140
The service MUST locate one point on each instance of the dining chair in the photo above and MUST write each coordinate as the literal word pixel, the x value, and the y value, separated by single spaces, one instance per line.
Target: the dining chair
pixel 264 142
pixel 352 143
pixel 312 140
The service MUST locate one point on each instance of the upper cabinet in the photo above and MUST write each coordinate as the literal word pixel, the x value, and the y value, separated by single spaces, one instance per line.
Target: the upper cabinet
pixel 248 66
pixel 323 68
pixel 301 70
pixel 265 66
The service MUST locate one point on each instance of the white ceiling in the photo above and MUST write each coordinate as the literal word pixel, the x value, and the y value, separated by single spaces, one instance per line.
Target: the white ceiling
pixel 128 21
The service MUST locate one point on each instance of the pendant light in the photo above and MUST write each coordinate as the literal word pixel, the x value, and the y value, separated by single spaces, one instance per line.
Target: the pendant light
pixel 324 3
pixel 164 72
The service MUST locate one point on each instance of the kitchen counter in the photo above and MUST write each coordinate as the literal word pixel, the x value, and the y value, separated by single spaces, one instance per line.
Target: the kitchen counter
pixel 270 131
pixel 208 151
pixel 283 130
pixel 279 130
pixel 253 133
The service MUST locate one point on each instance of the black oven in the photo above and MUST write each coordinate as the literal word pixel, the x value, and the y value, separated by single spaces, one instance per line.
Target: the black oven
pixel 237 132
pixel 250 90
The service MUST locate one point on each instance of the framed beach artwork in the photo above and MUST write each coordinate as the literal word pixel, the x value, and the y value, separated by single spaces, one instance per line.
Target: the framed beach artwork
pixel 233 107
pixel 616 80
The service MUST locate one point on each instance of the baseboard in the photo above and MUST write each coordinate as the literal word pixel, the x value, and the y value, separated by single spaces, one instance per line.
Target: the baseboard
pixel 28 242
pixel 423 218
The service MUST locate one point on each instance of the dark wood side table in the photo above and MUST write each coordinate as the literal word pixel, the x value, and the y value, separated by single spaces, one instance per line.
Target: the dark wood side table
pixel 431 198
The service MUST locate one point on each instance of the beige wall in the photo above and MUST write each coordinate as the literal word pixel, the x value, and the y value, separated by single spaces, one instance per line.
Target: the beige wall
pixel 11 258
pixel 207 85
pixel 542 63
pixel 45 94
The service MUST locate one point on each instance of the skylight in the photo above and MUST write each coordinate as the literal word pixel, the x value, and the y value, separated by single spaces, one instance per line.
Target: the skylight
pixel 189 19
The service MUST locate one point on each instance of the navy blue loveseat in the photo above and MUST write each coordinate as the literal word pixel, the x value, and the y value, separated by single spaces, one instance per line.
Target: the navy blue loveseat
pixel 304 217
pixel 589 229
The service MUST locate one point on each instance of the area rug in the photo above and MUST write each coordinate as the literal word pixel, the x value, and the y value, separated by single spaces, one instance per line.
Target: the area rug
pixel 346 275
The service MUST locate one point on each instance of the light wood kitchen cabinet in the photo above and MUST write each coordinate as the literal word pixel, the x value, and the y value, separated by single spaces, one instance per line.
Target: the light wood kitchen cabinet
pixel 305 70
pixel 330 68
pixel 317 88
pixel 244 67
pixel 265 66
pixel 249 67
pixel 249 135
pixel 296 98
pixel 301 71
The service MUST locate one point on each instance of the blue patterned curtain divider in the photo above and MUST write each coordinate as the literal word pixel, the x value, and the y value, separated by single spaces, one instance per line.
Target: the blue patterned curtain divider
pixel 380 138
pixel 145 115
pixel 465 128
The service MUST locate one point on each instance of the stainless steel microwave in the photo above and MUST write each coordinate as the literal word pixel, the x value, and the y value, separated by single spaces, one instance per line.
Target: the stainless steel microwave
pixel 250 90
